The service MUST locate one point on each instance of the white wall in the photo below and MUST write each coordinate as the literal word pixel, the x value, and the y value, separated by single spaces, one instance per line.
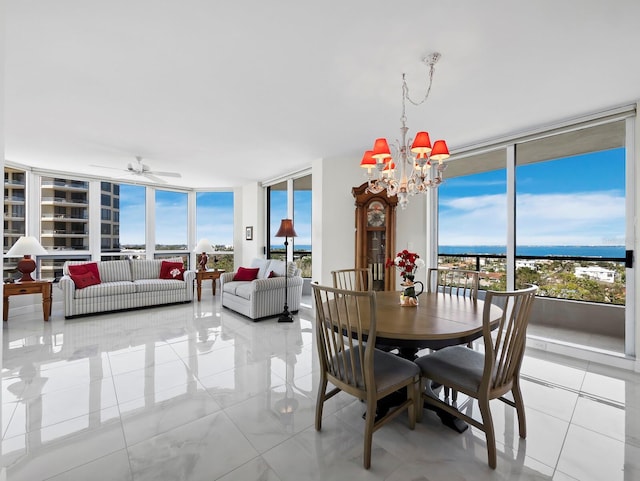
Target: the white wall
pixel 333 205
pixel 249 203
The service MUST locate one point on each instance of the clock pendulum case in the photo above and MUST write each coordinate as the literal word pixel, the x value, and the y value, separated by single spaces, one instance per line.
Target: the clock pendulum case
pixel 376 235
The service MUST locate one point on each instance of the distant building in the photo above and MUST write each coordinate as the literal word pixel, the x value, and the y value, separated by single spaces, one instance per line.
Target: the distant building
pixel 528 263
pixel 596 272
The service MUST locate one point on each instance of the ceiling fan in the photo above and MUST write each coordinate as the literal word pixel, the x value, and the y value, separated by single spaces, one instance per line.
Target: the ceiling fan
pixel 143 170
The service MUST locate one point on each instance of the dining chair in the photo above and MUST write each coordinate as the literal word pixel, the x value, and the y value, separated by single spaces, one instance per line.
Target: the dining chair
pixel 355 366
pixel 485 375
pixel 459 282
pixel 358 279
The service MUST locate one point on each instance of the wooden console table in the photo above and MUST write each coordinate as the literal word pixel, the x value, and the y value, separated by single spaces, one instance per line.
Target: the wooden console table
pixel 31 287
pixel 208 274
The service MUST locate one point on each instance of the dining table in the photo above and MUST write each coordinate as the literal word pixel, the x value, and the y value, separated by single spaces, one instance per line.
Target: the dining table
pixel 439 320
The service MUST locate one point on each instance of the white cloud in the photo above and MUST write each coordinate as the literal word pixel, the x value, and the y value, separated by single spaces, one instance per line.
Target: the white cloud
pixel 542 219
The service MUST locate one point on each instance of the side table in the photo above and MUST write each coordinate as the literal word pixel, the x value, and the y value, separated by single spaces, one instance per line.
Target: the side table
pixel 212 274
pixel 29 287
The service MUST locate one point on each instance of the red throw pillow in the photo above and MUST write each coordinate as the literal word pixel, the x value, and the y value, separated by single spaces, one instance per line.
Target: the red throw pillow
pixel 172 270
pixel 85 280
pixel 92 267
pixel 246 274
pixel 272 274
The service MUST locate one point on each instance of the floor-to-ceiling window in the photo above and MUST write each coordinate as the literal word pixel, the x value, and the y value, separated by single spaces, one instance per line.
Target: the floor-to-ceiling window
pixel 302 219
pixel 293 195
pixel 560 204
pixel 131 224
pixel 214 222
pixel 14 215
pixel 472 217
pixel 64 222
pixel 171 221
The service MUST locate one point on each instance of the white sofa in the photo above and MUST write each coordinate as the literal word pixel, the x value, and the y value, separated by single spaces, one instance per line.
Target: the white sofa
pixel 125 284
pixel 263 296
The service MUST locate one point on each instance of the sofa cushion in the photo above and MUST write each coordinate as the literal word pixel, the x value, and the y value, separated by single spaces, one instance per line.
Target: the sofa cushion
pixel 172 270
pixel 158 285
pixel 106 289
pixel 263 265
pixel 246 274
pixel 85 280
pixel 145 269
pixel 244 290
pixel 277 267
pixel 113 271
pixel 232 286
pixel 80 269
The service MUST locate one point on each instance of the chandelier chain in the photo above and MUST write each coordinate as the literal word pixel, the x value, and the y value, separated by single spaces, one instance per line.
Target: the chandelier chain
pixel 431 62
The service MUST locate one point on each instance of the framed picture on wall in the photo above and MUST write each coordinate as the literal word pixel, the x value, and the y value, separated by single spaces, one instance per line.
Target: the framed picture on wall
pixel 248 233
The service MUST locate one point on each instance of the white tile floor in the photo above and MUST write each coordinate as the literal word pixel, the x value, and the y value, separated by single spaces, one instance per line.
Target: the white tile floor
pixel 195 392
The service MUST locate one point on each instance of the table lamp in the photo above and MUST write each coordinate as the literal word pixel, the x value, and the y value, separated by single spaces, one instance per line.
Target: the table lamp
pixel 286 230
pixel 26 246
pixel 205 247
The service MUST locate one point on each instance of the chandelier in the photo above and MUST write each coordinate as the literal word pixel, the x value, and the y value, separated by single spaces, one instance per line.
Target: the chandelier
pixel 416 175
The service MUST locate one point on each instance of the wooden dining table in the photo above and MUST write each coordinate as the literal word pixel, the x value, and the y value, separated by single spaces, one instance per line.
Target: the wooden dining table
pixel 439 320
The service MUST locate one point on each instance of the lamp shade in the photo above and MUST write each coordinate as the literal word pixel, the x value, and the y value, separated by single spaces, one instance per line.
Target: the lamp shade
pixel 204 246
pixel 26 245
pixel 286 229
pixel 421 144
pixel 381 150
pixel 367 160
pixel 440 150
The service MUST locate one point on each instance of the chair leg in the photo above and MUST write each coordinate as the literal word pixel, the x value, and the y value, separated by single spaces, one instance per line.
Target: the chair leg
pixel 420 402
pixel 369 422
pixel 522 420
pixel 413 391
pixel 487 422
pixel 322 389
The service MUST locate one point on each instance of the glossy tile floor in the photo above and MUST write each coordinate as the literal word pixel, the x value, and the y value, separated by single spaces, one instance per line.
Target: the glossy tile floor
pixel 195 392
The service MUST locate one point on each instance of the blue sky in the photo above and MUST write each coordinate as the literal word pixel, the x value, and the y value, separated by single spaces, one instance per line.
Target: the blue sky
pixel 577 200
pixel 214 216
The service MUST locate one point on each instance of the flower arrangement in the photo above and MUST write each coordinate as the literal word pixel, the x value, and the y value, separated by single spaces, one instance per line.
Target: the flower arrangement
pixel 406 262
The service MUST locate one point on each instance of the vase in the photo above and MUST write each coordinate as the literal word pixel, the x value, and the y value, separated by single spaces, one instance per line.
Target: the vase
pixel 409 296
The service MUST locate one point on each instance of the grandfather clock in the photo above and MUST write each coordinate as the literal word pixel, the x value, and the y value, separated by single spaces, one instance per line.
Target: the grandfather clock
pixel 376 235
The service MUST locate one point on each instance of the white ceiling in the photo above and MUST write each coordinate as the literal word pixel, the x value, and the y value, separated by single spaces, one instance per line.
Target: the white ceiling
pixel 230 92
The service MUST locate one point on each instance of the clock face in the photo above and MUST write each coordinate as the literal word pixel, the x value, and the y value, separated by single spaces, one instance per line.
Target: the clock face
pixel 375 214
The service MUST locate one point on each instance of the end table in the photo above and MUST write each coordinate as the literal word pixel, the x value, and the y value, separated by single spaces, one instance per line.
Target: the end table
pixel 212 274
pixel 28 287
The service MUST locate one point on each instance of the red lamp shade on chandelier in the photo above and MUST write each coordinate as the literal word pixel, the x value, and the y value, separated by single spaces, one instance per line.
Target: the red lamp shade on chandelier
pixel 26 246
pixel 414 158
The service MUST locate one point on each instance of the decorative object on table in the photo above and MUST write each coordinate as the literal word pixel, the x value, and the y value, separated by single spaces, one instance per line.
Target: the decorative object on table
pixel 26 246
pixel 409 297
pixel 420 177
pixel 205 248
pixel 286 230
pixel 407 263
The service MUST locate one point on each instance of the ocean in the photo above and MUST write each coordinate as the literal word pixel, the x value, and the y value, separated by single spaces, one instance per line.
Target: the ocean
pixel 538 251
pixel 534 251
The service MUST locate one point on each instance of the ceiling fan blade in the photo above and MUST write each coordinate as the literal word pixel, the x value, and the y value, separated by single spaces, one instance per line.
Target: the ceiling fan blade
pixel 164 174
pixel 152 177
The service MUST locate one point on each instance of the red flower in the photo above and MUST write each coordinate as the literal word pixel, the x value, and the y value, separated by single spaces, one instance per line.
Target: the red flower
pixel 405 261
